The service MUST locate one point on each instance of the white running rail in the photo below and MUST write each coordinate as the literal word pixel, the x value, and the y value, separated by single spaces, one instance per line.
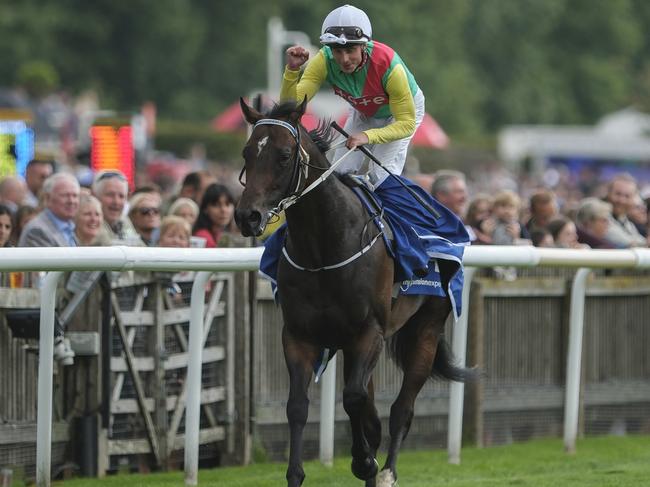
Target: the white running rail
pixel 119 258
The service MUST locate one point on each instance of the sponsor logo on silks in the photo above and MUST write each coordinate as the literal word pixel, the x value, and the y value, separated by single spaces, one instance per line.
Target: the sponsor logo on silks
pixel 362 101
pixel 419 282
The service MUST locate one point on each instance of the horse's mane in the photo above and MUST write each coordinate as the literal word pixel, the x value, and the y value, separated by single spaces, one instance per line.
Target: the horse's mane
pixel 322 135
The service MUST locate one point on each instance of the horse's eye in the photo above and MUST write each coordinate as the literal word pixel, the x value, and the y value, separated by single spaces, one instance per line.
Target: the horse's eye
pixel 284 155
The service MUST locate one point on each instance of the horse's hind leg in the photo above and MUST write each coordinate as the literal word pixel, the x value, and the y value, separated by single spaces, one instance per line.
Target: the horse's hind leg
pixel 420 342
pixel 360 360
pixel 299 358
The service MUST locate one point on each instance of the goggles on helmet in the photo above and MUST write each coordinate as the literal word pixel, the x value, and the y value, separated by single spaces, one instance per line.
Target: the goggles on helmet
pixel 343 35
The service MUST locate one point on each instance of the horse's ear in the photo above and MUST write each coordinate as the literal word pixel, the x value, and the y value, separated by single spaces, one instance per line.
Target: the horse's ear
pixel 250 114
pixel 299 111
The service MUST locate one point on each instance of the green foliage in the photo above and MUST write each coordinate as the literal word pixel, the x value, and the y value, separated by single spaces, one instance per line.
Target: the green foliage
pixel 179 138
pixel 38 78
pixel 480 63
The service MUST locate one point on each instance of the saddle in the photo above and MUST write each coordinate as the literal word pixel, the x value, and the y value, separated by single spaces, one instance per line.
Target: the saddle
pixel 373 206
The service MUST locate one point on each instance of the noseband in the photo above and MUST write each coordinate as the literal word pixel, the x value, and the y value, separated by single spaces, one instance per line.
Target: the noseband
pixel 300 168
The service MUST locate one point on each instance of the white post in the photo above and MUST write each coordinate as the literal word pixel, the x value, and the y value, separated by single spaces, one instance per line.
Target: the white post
pixel 574 358
pixel 194 366
pixel 457 389
pixel 45 371
pixel 327 409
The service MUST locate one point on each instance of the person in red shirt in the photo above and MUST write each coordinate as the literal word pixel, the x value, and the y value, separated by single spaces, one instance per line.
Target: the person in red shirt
pixel 215 215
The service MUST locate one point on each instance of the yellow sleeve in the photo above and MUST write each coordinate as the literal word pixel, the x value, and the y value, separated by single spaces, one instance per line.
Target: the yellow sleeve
pixel 296 87
pixel 402 107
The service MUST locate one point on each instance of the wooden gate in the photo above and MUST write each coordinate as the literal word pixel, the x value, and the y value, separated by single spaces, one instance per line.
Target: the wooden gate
pixel 150 330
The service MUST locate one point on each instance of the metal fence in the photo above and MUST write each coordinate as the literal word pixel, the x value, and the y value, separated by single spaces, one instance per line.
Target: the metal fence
pixel 518 337
pixel 518 401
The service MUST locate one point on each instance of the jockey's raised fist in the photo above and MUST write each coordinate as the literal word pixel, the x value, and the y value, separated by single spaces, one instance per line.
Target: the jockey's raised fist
pixel 296 56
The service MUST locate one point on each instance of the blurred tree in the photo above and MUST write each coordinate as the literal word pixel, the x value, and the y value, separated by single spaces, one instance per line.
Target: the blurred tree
pixel 480 63
pixel 37 78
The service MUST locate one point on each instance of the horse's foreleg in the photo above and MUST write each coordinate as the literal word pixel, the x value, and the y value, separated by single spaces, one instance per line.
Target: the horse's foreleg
pixel 299 358
pixel 360 360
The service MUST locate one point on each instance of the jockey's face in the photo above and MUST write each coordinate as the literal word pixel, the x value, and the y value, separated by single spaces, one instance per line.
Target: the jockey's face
pixel 348 57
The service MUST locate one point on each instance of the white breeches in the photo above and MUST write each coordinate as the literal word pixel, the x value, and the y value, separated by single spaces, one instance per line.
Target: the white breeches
pixel 392 155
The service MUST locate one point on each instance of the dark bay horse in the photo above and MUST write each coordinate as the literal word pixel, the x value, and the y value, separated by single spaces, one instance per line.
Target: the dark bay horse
pixel 344 307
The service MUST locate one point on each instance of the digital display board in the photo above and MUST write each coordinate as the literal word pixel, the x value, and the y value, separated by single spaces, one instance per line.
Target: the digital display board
pixel 16 147
pixel 112 149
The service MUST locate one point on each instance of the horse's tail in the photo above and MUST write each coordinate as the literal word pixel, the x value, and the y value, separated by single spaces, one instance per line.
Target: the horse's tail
pixel 400 348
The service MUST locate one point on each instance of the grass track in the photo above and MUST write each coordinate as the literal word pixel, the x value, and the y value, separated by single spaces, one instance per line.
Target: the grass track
pixel 601 462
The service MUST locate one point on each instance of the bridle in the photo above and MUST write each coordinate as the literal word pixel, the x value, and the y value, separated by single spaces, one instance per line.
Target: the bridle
pixel 300 173
pixel 300 169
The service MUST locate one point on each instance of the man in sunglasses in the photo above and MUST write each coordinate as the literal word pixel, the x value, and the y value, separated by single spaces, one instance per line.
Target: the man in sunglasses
pixel 386 108
pixel 144 212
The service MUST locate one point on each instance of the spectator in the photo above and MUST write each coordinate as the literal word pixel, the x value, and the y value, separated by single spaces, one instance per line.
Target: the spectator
pixel 564 234
pixel 6 226
pixel 185 208
pixel 144 212
pixel 541 237
pixel 592 223
pixel 38 170
pixel 479 220
pixel 54 226
pixel 507 229
pixel 621 193
pixel 638 215
pixel 89 220
pixel 12 192
pixel 111 189
pixel 194 185
pixel 450 188
pixel 175 231
pixel 23 216
pixel 215 215
pixel 543 208
pixel 147 188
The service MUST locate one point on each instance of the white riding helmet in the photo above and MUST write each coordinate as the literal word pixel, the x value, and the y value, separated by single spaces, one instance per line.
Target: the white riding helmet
pixel 346 25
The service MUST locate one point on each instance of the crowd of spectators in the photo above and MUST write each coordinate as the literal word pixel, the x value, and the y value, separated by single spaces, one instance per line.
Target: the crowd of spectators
pixel 49 208
pixel 549 218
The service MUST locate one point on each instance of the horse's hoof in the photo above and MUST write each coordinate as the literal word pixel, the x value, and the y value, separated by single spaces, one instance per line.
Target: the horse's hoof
pixel 365 469
pixel 386 479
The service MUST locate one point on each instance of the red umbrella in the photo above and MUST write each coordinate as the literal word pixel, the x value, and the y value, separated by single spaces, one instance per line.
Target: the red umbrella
pixel 232 120
pixel 429 133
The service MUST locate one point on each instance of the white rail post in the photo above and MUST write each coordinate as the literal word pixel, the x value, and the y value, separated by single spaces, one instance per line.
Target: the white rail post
pixel 45 371
pixel 327 409
pixel 194 366
pixel 457 389
pixel 574 359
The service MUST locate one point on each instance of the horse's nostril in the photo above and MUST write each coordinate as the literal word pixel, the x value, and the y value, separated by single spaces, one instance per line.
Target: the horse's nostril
pixel 249 221
pixel 255 218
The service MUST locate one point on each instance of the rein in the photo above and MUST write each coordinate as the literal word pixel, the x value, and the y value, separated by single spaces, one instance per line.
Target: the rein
pixel 301 167
pixel 302 161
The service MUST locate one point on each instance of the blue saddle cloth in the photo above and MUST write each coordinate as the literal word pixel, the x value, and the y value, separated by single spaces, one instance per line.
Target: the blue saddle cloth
pixel 418 240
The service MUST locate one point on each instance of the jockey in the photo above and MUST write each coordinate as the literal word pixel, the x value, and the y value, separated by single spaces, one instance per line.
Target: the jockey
pixel 387 106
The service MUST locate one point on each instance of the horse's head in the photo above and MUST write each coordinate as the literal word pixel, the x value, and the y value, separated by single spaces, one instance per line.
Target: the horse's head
pixel 271 164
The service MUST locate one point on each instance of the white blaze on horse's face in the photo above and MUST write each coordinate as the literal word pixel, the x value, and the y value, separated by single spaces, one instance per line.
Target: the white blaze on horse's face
pixel 261 143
